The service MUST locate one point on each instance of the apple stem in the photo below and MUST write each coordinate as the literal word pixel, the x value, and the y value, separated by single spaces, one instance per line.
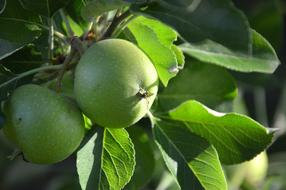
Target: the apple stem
pixel 76 52
pixel 65 65
pixel 76 44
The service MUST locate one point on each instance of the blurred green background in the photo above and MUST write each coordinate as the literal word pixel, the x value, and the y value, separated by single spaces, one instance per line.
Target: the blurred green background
pixel 263 97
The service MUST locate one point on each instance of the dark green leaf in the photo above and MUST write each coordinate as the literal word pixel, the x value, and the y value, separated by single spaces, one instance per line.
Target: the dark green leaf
pixel 145 160
pixel 179 3
pixel 190 158
pixel 74 10
pixel 156 39
pixel 236 137
pixel 2 5
pixel 23 60
pixel 9 42
pixel 5 91
pixel 6 75
pixel 136 1
pixel 14 11
pixel 269 21
pixel 266 17
pixel 263 59
pixel 196 21
pixel 199 81
pixel 44 7
pixel 95 8
pixel 42 45
pixel 12 21
pixel 106 161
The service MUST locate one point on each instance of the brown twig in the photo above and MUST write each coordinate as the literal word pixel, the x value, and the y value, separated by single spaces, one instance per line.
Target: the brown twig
pixel 66 63
pixel 76 52
pixel 76 44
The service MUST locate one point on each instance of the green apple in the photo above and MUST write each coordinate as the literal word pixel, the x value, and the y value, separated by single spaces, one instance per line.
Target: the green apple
pixel 115 83
pixel 257 169
pixel 253 172
pixel 43 124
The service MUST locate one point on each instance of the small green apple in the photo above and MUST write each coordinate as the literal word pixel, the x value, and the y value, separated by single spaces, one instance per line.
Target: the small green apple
pixel 115 83
pixel 43 124
pixel 257 169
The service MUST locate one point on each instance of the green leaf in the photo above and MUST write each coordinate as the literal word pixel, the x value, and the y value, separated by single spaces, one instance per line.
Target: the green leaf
pixel 263 58
pixel 2 5
pixel 236 137
pixel 190 158
pixel 269 21
pixel 74 10
pixel 95 8
pixel 206 83
pixel 9 42
pixel 5 75
pixel 196 21
pixel 13 20
pixel 145 158
pixel 179 55
pixel 76 27
pixel 106 161
pixel 44 7
pixel 266 17
pixel 156 39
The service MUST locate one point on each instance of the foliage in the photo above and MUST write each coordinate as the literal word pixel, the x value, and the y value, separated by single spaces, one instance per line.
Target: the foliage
pixel 196 48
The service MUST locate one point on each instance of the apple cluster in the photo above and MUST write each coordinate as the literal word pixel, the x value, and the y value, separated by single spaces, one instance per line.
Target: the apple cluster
pixel 114 85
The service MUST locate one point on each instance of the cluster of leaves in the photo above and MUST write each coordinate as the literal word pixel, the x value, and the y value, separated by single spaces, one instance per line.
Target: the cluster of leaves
pixel 191 43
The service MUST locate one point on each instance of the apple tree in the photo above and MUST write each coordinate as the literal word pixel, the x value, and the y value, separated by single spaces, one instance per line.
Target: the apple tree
pixel 115 82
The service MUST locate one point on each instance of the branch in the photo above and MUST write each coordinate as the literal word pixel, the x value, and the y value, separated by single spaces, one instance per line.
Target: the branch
pixel 65 65
pixel 77 50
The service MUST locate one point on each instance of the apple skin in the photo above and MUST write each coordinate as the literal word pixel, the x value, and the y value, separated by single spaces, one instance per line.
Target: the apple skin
pixel 257 169
pixel 44 125
pixel 109 77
